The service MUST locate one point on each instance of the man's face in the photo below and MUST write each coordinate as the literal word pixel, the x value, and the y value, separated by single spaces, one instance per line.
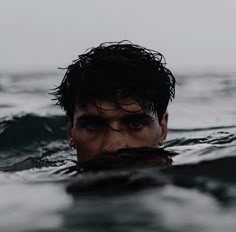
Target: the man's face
pixel 110 128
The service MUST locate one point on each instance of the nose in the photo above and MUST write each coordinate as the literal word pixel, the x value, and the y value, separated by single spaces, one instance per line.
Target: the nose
pixel 114 140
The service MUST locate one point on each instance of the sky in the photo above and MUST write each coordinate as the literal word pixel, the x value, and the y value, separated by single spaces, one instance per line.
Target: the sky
pixel 46 34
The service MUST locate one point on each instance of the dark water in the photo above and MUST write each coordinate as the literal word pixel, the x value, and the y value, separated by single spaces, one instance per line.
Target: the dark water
pixel 198 193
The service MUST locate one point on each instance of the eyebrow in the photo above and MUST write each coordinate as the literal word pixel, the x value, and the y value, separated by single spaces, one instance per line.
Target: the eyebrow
pixel 90 117
pixel 137 116
pixel 84 118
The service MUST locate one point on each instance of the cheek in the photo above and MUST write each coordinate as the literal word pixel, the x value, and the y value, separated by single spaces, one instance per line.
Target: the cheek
pixel 87 148
pixel 156 137
pixel 145 138
pixel 150 136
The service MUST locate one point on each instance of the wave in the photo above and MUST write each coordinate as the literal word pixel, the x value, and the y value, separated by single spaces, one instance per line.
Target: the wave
pixel 217 138
pixel 28 129
pixel 201 128
pixel 220 168
pixel 52 154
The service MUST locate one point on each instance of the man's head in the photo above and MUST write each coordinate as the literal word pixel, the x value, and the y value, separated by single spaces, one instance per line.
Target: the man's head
pixel 116 96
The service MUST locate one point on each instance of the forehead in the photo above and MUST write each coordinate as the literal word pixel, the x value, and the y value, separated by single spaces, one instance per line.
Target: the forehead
pixel 110 109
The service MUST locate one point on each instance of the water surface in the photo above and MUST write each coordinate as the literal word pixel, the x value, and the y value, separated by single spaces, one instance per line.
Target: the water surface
pixel 198 193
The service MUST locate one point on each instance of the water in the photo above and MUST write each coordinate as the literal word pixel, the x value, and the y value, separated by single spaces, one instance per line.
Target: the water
pixel 198 193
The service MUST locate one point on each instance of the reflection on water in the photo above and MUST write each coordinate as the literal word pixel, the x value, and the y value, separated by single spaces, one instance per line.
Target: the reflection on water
pixel 25 206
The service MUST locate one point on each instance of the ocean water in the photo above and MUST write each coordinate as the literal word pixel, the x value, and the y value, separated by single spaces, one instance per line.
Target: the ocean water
pixel 197 193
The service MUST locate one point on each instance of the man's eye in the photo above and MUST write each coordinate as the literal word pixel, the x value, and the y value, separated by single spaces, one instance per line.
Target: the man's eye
pixel 136 124
pixel 93 126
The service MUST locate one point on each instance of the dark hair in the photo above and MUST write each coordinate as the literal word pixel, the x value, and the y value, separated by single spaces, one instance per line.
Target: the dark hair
pixel 117 70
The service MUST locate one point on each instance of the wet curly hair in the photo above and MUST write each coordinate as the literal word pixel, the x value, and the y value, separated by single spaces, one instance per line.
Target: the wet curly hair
pixel 116 70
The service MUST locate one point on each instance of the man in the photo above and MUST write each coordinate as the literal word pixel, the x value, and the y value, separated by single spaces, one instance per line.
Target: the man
pixel 115 96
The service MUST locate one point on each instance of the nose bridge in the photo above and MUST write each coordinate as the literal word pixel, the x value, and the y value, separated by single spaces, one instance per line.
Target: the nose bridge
pixel 115 126
pixel 114 140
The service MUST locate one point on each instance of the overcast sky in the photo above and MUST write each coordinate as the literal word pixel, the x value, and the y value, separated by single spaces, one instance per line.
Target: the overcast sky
pixel 47 34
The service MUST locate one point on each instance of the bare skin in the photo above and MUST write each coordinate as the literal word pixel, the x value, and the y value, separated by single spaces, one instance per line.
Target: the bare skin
pixel 111 128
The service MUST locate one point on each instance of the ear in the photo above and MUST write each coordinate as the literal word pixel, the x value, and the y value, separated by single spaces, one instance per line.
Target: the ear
pixel 164 130
pixel 69 127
